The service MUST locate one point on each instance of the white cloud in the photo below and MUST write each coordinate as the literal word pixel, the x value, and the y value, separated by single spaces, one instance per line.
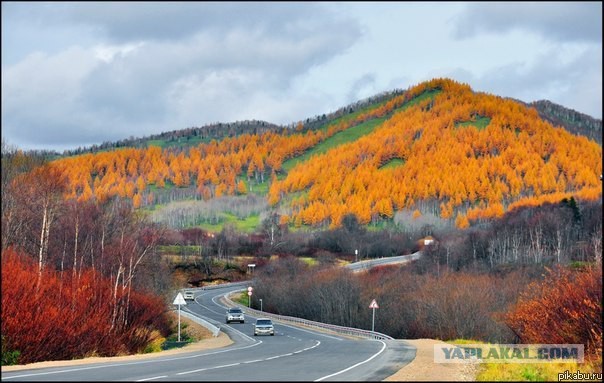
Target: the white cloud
pixel 107 53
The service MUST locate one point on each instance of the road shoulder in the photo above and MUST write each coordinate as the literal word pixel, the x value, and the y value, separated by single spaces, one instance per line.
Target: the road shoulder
pixel 222 340
pixel 423 368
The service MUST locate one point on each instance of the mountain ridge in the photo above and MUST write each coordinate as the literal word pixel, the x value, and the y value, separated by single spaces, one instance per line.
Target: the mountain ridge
pixel 439 148
pixel 558 115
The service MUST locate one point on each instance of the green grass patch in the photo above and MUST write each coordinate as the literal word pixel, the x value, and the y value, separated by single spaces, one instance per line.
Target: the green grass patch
pixel 247 225
pixel 355 132
pixel 480 123
pixel 340 138
pixel 242 298
pixel 309 261
pixel 429 94
pixel 354 115
pixel 254 187
pixel 393 163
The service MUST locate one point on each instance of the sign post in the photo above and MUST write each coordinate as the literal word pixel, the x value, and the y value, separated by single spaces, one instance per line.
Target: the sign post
pixel 179 300
pixel 249 294
pixel 373 305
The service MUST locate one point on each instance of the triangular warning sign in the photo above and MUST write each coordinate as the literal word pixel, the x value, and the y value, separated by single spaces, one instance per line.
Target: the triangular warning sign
pixel 373 305
pixel 179 300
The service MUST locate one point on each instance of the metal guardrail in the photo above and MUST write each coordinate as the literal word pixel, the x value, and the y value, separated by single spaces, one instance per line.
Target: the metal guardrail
pixel 350 331
pixel 213 329
pixel 223 285
pixel 368 264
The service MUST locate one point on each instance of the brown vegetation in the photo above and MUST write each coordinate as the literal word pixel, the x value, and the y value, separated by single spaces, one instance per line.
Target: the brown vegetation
pixel 564 308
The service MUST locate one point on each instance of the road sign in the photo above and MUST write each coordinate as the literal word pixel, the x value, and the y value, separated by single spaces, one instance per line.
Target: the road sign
pixel 249 293
pixel 250 288
pixel 373 305
pixel 179 300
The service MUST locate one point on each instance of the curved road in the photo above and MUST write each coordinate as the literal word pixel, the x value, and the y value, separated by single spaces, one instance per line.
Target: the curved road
pixel 293 354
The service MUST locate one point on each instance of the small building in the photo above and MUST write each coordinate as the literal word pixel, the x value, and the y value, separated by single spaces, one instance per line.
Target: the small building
pixel 426 241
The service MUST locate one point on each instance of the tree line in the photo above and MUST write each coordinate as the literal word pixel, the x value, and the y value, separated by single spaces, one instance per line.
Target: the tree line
pixel 72 266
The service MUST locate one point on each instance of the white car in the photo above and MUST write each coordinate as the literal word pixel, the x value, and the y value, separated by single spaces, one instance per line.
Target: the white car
pixel 264 326
pixel 189 296
pixel 235 314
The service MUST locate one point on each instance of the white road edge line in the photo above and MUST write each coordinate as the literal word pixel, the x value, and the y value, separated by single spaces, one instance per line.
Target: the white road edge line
pixel 356 365
pixel 155 377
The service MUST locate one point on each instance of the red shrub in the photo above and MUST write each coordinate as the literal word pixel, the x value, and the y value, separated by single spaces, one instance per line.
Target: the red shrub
pixel 69 318
pixel 564 308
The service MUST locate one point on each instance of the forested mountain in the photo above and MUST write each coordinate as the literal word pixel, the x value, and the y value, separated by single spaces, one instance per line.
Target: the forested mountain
pixel 573 121
pixel 437 148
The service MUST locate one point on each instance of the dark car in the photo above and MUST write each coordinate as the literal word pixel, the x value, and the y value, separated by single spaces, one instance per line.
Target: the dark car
pixel 235 314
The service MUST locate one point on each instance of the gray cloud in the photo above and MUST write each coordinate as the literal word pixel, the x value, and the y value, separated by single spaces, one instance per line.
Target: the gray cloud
pixel 564 21
pixel 220 62
pixel 142 21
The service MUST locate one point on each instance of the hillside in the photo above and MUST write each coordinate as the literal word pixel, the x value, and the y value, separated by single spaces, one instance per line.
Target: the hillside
pixel 571 120
pixel 437 149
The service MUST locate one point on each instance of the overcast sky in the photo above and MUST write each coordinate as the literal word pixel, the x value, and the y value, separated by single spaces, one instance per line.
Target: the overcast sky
pixel 76 74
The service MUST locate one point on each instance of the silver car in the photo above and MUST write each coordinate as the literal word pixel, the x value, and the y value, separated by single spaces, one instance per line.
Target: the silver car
pixel 264 326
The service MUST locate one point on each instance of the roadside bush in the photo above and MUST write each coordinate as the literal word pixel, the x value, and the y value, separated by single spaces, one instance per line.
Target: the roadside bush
pixel 9 357
pixel 71 316
pixel 564 308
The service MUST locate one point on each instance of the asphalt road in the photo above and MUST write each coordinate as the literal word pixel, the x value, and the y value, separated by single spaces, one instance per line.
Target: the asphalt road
pixel 292 354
